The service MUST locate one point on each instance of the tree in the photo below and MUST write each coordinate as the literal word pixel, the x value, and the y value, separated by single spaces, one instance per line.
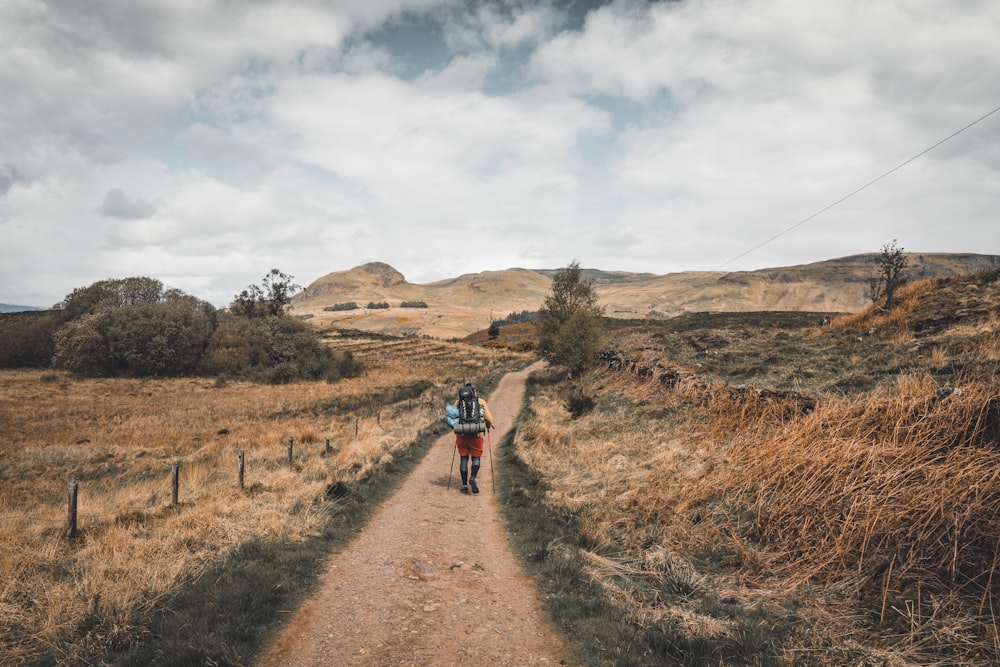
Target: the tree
pixel 140 339
pixel 494 331
pixel 887 275
pixel 268 300
pixel 111 293
pixel 570 321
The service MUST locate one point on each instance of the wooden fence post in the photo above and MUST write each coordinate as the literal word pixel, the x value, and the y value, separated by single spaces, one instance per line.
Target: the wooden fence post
pixel 378 417
pixel 175 484
pixel 74 489
pixel 327 451
pixel 356 427
pixel 290 440
pixel 242 468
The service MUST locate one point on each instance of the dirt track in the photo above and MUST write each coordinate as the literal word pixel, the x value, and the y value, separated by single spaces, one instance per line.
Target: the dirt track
pixel 430 581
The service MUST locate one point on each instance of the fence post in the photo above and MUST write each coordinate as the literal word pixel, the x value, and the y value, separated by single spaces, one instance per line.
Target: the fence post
pixel 356 427
pixel 378 417
pixel 175 473
pixel 290 440
pixel 242 468
pixel 74 489
pixel 326 452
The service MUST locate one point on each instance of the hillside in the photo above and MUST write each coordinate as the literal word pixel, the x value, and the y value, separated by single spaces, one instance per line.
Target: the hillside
pixel 460 306
pixel 761 489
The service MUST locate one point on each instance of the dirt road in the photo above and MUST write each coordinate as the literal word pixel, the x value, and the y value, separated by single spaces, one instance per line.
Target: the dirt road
pixel 430 581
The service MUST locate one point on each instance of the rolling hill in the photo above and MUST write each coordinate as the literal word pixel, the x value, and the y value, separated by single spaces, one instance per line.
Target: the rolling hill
pixel 459 306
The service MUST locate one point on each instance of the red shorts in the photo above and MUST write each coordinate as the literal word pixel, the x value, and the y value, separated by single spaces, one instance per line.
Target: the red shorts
pixel 469 445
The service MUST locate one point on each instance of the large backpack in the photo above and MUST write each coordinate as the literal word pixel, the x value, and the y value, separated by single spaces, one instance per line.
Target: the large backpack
pixel 470 416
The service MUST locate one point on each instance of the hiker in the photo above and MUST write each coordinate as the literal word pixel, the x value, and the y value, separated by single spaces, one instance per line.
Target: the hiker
pixel 469 416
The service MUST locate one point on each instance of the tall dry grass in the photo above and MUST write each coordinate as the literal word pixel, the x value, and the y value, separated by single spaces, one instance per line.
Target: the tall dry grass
pixel 62 600
pixel 874 516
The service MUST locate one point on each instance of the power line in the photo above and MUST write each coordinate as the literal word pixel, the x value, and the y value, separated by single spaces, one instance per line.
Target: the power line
pixel 863 187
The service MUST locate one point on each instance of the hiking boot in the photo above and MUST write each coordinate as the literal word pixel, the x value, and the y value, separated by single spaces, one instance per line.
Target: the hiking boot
pixel 464 489
pixel 475 487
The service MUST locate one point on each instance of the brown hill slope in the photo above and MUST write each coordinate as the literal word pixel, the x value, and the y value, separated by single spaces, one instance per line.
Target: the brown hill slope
pixel 459 306
pixel 834 486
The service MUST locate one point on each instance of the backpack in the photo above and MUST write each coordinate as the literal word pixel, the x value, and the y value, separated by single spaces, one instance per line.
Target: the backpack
pixel 470 416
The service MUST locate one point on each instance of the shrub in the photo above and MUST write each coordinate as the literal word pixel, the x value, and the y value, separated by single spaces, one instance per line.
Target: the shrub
pixel 344 365
pixel 381 305
pixel 269 349
pixel 414 304
pixel 579 403
pixel 349 305
pixel 145 339
pixel 27 339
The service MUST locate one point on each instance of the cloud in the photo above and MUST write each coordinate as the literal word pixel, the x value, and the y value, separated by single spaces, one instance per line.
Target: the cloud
pixel 117 204
pixel 205 143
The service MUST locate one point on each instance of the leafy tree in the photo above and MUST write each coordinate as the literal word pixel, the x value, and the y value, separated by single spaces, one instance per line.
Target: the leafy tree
pixel 887 275
pixel 570 321
pixel 141 339
pixel 111 293
pixel 268 300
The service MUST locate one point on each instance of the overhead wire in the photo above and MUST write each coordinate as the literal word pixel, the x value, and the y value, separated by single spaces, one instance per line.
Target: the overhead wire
pixel 863 187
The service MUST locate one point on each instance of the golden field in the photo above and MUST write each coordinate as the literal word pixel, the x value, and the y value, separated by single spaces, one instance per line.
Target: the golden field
pixel 822 520
pixel 62 600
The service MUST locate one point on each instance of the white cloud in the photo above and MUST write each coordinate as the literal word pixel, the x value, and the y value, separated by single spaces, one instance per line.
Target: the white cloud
pixel 205 143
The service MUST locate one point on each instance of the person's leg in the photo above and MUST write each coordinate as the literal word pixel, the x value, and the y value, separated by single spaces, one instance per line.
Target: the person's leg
pixel 475 451
pixel 462 444
pixel 463 467
pixel 475 471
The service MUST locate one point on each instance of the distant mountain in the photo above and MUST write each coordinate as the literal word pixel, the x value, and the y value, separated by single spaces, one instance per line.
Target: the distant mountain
pixel 459 306
pixel 9 308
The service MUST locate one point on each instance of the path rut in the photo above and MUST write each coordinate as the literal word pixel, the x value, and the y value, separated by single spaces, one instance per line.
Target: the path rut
pixel 431 580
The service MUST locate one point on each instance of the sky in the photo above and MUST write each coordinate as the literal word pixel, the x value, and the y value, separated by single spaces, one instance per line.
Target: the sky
pixel 205 142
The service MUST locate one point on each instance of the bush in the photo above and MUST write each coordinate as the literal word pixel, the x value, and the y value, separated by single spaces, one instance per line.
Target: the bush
pixel 27 339
pixel 344 365
pixel 414 304
pixel 526 345
pixel 579 403
pixel 381 305
pixel 269 349
pixel 350 305
pixel 144 339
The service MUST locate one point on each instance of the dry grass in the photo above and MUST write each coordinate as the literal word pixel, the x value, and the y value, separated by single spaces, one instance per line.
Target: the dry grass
pixel 61 599
pixel 876 515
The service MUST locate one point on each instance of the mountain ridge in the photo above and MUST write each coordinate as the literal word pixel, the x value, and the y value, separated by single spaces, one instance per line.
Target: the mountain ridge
pixel 458 306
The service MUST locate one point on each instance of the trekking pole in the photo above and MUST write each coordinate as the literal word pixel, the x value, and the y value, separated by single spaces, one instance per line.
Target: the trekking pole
pixel 453 450
pixel 489 446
